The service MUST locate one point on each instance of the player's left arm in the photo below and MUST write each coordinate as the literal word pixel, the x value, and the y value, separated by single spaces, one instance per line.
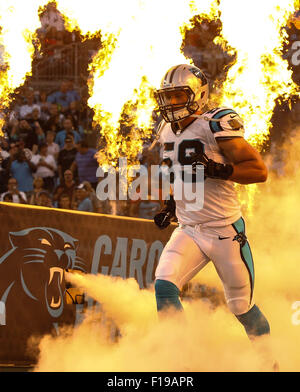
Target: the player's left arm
pixel 248 165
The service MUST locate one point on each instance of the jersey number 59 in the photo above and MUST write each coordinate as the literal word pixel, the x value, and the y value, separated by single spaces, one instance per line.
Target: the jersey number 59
pixel 185 149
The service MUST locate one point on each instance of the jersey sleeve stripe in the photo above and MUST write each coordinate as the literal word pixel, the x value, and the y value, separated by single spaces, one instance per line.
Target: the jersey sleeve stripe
pixel 215 127
pixel 223 113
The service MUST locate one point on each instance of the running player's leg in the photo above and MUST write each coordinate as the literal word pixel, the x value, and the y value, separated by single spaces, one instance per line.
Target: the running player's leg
pixel 233 261
pixel 234 264
pixel 180 261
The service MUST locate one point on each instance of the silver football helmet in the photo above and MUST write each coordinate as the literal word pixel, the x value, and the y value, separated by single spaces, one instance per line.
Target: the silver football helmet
pixel 183 91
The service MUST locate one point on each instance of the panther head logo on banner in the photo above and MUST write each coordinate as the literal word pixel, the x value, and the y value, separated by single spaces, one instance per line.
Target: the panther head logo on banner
pixel 39 255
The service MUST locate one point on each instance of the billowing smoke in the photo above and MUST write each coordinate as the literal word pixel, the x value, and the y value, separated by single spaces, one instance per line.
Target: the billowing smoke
pixel 204 338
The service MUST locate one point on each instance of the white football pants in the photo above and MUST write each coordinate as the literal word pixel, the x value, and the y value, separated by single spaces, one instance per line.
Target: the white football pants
pixel 190 248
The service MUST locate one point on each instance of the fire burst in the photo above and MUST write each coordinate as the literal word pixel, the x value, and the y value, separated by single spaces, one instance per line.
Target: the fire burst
pixel 141 40
pixel 18 22
pixel 260 74
pixel 139 46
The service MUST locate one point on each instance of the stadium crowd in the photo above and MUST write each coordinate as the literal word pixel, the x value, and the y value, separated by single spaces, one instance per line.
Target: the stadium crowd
pixel 46 160
pixel 45 156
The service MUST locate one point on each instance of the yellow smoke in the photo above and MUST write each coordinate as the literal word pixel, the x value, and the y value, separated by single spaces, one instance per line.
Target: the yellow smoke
pixel 146 344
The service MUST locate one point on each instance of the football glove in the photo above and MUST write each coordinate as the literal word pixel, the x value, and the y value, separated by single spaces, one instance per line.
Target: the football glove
pixel 163 218
pixel 212 169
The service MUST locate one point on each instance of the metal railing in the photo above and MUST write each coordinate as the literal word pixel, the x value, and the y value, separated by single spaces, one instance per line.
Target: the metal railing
pixel 67 62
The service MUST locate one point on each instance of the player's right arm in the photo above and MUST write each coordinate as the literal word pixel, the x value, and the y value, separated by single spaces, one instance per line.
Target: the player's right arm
pixel 247 165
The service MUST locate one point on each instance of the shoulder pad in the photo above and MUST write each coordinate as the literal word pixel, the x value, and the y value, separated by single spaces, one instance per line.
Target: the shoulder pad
pixel 223 119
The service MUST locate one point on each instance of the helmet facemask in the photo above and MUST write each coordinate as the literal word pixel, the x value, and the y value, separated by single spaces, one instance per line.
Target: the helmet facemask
pixel 176 103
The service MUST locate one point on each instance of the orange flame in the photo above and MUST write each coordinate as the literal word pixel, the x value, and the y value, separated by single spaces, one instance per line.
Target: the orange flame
pixel 18 21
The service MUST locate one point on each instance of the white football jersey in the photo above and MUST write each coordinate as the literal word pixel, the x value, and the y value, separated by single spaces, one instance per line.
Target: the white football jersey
pixel 220 206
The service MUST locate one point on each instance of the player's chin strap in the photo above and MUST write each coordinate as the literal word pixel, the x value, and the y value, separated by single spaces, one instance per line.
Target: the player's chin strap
pixel 157 136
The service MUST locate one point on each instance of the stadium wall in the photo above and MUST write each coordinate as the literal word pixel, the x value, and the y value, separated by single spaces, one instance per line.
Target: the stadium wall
pixel 38 243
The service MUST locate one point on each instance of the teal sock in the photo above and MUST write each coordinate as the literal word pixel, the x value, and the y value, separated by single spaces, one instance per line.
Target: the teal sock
pixel 254 322
pixel 167 294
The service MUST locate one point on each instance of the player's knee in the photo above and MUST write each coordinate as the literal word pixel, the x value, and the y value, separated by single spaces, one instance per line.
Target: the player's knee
pixel 254 322
pixel 238 306
pixel 167 294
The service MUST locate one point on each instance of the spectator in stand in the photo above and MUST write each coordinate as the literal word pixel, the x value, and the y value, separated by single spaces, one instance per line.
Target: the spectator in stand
pixel 35 117
pixel 44 106
pixel 98 206
pixel 55 121
pixel 72 93
pixel 46 167
pixel 86 114
pixel 86 164
pixel 18 100
pixel 12 189
pixel 66 156
pixel 13 149
pixel 21 146
pixel 68 128
pixel 84 203
pixel 27 108
pixel 53 148
pixel 37 125
pixel 38 186
pixel 22 170
pixel 74 114
pixel 44 199
pixel 82 115
pixel 61 97
pixel 64 202
pixel 23 131
pixel 67 187
pixel 4 144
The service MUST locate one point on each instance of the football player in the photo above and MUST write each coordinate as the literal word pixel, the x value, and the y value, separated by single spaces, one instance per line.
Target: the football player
pixel 213 140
